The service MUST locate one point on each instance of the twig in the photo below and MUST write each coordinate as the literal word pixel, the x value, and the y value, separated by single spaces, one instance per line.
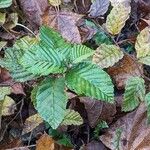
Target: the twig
pixel 21 25
pixel 19 148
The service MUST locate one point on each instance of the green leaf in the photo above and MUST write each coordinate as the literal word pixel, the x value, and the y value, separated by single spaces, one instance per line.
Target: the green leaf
pixel 90 80
pixel 51 101
pixel 42 60
pixel 101 125
pixel 51 38
pixel 147 102
pixel 5 3
pixel 4 91
pixel 134 92
pixel 12 58
pixel 65 140
pixel 107 55
pixel 72 118
pixel 79 53
pixel 11 62
pixel 100 37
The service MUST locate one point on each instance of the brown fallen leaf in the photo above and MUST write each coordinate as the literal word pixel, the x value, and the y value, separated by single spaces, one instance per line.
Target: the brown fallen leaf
pixel 45 143
pixel 135 132
pixel 123 70
pixel 31 123
pixel 98 110
pixel 5 78
pixel 94 145
pixel 65 23
pixel 33 10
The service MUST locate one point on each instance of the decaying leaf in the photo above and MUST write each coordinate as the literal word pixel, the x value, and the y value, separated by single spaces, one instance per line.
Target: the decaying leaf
pixel 142 46
pixel 2 18
pixel 116 2
pixel 135 133
pixel 4 91
pixel 11 21
pixel 134 93
pixel 72 118
pixel 2 44
pixel 98 110
pixel 117 18
pixel 65 23
pixel 94 145
pixel 123 70
pixel 34 9
pixel 107 55
pixel 31 123
pixel 45 143
pixel 8 106
pixel 98 8
pixel 55 2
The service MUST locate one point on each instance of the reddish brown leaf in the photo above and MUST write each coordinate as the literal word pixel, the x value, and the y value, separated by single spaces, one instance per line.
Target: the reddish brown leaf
pixel 65 23
pixel 135 133
pixel 98 110
pixel 123 70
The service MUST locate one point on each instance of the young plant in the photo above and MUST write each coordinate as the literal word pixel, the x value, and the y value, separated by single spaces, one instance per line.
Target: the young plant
pixel 63 66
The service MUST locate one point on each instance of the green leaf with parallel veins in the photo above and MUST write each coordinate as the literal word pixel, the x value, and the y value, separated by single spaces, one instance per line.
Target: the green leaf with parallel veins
pixel 51 38
pixel 90 80
pixel 79 53
pixel 72 118
pixel 52 100
pixel 11 62
pixel 134 92
pixel 5 3
pixel 42 60
pixel 147 102
pixel 107 55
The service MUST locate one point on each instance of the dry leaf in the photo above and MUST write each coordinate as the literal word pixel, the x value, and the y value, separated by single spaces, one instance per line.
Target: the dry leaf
pixel 8 106
pixel 124 2
pixel 117 18
pixel 94 145
pixel 45 143
pixel 65 23
pixel 123 70
pixel 34 9
pixel 55 2
pixel 17 89
pixel 98 8
pixel 98 110
pixel 31 123
pixel 142 46
pixel 107 55
pixel 135 133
